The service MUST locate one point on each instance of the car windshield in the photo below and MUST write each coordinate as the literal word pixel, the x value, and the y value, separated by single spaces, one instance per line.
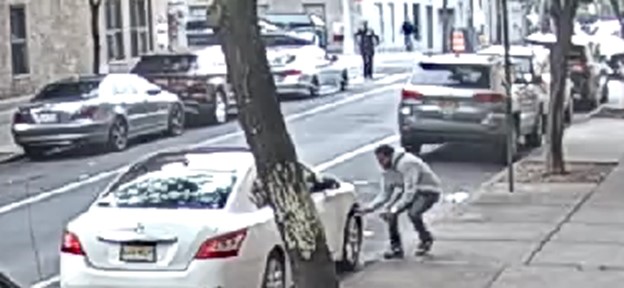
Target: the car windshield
pixel 459 76
pixel 173 186
pixel 73 90
pixel 165 64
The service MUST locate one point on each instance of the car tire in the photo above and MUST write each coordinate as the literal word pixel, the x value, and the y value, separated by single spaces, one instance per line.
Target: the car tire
pixel 534 139
pixel 344 83
pixel 118 135
pixel 35 153
pixel 502 147
pixel 568 115
pixel 604 95
pixel 315 87
pixel 274 271
pixel 175 123
pixel 219 113
pixel 351 244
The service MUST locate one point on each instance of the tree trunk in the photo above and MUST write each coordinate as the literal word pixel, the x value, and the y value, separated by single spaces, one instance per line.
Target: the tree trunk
pixel 563 16
pixel 280 178
pixel 94 6
pixel 6 282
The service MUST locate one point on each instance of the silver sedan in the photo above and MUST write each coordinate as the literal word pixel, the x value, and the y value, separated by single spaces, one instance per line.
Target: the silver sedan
pixel 107 109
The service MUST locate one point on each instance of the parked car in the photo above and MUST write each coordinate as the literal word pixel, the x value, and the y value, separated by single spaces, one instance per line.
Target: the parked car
pixel 461 98
pixel 100 109
pixel 300 67
pixel 186 219
pixel 530 76
pixel 199 78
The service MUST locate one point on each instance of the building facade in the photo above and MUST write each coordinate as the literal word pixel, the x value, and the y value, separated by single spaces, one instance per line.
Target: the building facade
pixel 44 40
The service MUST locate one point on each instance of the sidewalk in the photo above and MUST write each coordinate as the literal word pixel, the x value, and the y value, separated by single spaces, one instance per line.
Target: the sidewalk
pixel 561 233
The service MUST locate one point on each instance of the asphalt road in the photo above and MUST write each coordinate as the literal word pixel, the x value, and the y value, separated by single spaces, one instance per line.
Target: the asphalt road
pixel 334 131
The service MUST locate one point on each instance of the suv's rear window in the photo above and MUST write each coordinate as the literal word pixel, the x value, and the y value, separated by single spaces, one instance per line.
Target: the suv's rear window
pixel 173 186
pixel 577 54
pixel 460 76
pixel 165 64
pixel 73 90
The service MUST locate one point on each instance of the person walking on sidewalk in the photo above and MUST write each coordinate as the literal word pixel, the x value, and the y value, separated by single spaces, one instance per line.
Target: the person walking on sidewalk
pixel 367 41
pixel 408 31
pixel 409 185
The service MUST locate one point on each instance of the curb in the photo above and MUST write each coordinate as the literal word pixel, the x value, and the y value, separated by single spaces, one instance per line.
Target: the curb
pixel 11 157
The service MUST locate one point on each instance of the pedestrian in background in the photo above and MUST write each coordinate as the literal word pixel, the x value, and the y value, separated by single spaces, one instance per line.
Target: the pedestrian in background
pixel 408 30
pixel 367 41
pixel 409 185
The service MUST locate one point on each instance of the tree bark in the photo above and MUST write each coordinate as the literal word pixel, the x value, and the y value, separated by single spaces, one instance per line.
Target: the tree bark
pixel 280 182
pixel 94 7
pixel 563 16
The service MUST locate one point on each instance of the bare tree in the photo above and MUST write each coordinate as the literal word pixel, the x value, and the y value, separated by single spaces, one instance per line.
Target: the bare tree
pixel 94 8
pixel 280 182
pixel 562 13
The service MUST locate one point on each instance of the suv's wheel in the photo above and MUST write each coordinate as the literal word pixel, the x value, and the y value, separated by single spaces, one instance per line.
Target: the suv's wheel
pixel 118 135
pixel 351 244
pixel 219 115
pixel 176 121
pixel 414 148
pixel 534 139
pixel 502 157
pixel 315 89
pixel 274 271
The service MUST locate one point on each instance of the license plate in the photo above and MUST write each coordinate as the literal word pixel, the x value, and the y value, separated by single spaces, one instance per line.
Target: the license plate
pixel 47 118
pixel 137 253
pixel 448 106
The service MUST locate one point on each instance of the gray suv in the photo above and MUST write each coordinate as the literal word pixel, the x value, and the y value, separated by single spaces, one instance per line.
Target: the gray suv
pixel 461 98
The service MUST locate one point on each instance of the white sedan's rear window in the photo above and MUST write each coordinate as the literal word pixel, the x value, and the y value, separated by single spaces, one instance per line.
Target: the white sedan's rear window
pixel 171 189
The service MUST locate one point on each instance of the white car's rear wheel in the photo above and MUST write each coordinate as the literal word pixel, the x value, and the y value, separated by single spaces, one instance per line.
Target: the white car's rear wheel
pixel 274 272
pixel 352 244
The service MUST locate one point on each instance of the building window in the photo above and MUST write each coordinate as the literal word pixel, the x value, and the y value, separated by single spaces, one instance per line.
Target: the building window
pixel 139 40
pixel 19 42
pixel 114 30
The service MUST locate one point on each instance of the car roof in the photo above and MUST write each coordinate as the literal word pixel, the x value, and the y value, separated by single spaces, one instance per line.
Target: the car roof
pixel 233 159
pixel 461 59
pixel 514 50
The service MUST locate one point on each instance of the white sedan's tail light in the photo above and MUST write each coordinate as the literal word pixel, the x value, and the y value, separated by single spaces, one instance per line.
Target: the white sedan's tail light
pixel 71 244
pixel 224 246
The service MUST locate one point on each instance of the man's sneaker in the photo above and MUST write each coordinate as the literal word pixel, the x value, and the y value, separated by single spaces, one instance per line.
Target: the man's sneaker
pixel 394 254
pixel 424 247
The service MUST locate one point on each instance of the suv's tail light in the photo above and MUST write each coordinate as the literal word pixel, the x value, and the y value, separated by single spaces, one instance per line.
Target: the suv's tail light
pixel 488 97
pixel 292 72
pixel 578 67
pixel 71 244
pixel 223 246
pixel 87 112
pixel 19 117
pixel 410 95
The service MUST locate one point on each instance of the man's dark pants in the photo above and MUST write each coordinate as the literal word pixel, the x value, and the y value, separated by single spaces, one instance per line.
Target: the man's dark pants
pixel 422 203
pixel 367 58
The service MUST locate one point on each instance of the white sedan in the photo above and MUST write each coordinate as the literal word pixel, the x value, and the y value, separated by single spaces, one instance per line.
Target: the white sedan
pixel 186 219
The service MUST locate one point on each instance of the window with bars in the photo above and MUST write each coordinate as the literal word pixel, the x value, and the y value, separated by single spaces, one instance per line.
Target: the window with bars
pixel 139 31
pixel 114 30
pixel 19 42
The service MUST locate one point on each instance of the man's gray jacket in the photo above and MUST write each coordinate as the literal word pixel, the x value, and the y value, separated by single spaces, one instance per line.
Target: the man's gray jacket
pixel 408 176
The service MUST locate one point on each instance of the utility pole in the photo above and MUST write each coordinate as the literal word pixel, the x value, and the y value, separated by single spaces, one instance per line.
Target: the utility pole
pixel 445 27
pixel 510 121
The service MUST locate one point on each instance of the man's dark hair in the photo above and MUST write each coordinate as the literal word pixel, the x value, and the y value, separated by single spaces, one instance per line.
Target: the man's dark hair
pixel 385 150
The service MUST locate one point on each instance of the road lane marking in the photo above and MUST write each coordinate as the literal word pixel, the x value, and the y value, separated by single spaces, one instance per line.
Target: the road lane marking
pixel 340 159
pixel 103 175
